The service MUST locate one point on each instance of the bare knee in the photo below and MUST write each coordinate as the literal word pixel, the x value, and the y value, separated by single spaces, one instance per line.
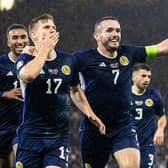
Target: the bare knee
pixel 128 158
pixel 130 165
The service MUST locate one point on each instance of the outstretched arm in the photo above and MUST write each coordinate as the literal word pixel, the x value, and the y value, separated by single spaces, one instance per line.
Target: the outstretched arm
pixel 159 134
pixel 160 49
pixel 81 102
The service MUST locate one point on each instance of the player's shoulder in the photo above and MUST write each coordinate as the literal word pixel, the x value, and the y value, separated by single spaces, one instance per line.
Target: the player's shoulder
pixel 24 56
pixel 129 47
pixel 83 52
pixel 154 92
pixel 63 53
pixel 4 58
pixel 22 59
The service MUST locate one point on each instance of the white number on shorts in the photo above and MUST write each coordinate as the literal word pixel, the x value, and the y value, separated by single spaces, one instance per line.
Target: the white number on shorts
pixel 115 72
pixel 57 83
pixel 139 112
pixel 151 158
pixel 64 153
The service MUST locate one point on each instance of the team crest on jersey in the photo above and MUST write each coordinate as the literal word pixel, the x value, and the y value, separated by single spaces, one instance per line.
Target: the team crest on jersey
pixel 87 165
pixel 19 64
pixel 19 164
pixel 66 69
pixel 124 60
pixel 149 102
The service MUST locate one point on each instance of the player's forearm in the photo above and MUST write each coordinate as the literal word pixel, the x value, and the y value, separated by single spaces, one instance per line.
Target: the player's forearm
pixel 33 68
pixel 162 48
pixel 80 101
pixel 162 122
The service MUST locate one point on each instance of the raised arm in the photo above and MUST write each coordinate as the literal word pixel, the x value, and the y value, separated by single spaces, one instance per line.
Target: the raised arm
pixel 32 69
pixel 160 49
pixel 81 102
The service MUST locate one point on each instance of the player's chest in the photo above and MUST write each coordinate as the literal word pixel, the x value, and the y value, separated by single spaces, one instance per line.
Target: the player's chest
pixel 142 107
pixel 101 64
pixel 8 72
pixel 56 71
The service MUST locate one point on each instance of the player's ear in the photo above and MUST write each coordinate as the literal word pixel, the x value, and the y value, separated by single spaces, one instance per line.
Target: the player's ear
pixel 96 36
pixel 32 34
pixel 133 76
pixel 8 43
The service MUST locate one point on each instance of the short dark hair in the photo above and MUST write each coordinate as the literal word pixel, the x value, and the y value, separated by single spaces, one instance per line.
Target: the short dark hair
pixel 35 20
pixel 139 66
pixel 15 26
pixel 102 19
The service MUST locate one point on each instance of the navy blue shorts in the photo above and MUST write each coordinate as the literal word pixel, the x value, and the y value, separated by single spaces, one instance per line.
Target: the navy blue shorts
pixel 147 155
pixel 6 144
pixel 42 152
pixel 97 148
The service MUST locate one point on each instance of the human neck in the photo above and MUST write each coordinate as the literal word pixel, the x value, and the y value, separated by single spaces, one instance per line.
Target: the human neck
pixel 137 91
pixel 12 56
pixel 107 53
pixel 51 55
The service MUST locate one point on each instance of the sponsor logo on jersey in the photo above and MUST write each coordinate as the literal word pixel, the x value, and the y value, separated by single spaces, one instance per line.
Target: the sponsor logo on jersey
pixel 87 165
pixel 149 102
pixel 19 64
pixel 139 103
pixel 102 64
pixel 53 71
pixel 19 164
pixel 66 70
pixel 114 65
pixel 124 60
pixel 10 73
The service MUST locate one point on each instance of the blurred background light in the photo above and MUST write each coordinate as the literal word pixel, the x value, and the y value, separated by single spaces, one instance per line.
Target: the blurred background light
pixel 6 4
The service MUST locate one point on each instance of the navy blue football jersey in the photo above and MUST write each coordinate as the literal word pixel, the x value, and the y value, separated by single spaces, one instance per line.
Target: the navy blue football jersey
pixel 107 83
pixel 46 99
pixel 145 108
pixel 9 109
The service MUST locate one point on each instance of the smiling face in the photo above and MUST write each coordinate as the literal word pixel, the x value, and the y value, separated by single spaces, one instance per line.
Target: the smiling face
pixel 108 35
pixel 17 40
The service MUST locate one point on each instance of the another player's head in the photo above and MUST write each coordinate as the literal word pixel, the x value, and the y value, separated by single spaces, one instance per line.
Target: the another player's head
pixel 40 27
pixel 107 33
pixel 17 38
pixel 141 76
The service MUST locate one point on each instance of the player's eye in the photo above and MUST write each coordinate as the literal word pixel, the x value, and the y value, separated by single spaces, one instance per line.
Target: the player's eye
pixel 23 36
pixel 15 37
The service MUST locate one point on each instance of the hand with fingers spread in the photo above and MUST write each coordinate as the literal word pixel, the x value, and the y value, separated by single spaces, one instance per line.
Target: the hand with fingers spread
pixel 14 93
pixel 49 41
